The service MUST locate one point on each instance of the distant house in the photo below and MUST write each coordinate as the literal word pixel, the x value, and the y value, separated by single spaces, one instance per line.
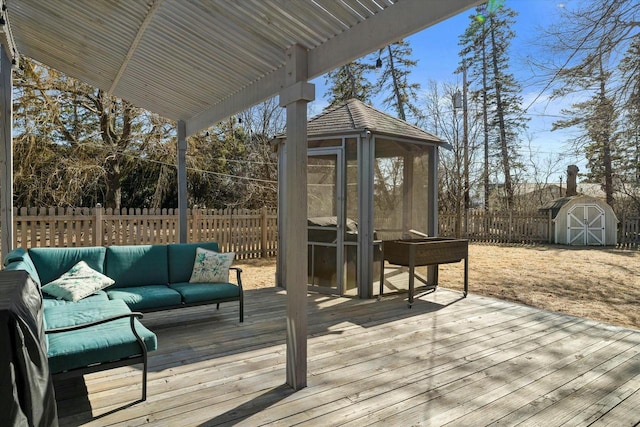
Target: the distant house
pixel 532 196
pixel 526 196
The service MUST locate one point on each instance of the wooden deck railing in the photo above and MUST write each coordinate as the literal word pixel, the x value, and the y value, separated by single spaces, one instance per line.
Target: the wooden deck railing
pixel 248 233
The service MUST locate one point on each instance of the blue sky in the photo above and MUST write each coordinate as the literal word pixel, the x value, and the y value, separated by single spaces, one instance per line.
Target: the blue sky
pixel 436 50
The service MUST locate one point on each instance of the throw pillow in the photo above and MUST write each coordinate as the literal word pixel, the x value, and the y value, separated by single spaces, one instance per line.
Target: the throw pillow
pixel 77 283
pixel 211 267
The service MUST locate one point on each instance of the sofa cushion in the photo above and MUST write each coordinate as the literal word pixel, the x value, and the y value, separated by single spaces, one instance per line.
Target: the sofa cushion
pixel 146 297
pixel 137 265
pixel 49 301
pixel 102 343
pixel 200 292
pixel 181 257
pixel 211 267
pixel 51 263
pixel 77 283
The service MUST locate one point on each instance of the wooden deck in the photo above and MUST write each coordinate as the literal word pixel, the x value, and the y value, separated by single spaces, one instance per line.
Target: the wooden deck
pixel 463 362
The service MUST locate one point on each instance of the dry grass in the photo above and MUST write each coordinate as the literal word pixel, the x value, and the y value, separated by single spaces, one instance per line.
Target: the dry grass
pixel 598 283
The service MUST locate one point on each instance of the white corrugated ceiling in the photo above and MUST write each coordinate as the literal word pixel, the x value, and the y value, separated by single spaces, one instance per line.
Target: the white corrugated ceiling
pixel 201 61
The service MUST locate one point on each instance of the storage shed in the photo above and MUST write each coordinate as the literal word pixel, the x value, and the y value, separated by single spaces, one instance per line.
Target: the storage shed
pixel 583 221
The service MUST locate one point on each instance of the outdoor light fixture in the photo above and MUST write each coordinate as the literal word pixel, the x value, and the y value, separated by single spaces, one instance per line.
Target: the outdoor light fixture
pixel 378 63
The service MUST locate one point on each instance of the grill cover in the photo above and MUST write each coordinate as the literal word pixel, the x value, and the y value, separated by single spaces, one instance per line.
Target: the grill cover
pixel 25 383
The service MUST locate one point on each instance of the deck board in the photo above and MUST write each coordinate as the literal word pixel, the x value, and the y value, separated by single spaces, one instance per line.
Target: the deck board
pixel 446 361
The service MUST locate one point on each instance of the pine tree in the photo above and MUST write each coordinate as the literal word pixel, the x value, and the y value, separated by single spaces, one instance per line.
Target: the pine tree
pixel 600 31
pixel 486 53
pixel 349 82
pixel 401 94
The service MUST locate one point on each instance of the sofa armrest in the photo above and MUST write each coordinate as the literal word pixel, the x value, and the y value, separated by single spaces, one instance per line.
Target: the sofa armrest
pixel 238 277
pixel 132 316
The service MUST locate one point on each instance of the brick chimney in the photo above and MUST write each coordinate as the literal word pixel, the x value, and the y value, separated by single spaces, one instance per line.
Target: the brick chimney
pixel 572 175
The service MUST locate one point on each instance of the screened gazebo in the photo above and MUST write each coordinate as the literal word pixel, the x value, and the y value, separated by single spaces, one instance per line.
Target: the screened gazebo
pixel 370 177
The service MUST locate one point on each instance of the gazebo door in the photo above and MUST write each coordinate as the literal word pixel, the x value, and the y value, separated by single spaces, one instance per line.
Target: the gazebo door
pixel 325 209
pixel 585 225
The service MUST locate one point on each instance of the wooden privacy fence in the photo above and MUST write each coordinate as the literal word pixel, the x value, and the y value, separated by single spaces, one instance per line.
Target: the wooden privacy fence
pixel 500 227
pixel 248 233
pixel 629 231
pixel 505 227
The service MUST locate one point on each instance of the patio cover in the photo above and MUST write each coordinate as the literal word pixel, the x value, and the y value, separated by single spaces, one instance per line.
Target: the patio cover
pixel 198 62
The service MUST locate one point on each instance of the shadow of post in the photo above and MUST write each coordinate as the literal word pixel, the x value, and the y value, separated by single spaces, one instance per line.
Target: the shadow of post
pixel 252 407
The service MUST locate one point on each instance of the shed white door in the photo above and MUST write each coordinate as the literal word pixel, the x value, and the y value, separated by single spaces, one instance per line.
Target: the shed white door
pixel 585 225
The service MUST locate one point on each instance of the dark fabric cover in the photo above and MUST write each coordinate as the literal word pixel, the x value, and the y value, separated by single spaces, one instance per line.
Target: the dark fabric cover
pixel 137 265
pixel 199 292
pixel 26 265
pixel 52 263
pixel 101 343
pixel 26 391
pixel 181 258
pixel 146 297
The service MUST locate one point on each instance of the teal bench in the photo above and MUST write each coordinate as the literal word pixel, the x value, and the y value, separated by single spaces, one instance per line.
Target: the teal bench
pixel 103 331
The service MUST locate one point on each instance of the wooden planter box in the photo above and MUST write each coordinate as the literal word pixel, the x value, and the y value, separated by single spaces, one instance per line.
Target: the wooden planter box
pixel 425 251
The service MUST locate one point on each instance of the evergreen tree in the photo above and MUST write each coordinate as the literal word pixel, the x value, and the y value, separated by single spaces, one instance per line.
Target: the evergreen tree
pixel 485 51
pixel 400 93
pixel 592 68
pixel 349 82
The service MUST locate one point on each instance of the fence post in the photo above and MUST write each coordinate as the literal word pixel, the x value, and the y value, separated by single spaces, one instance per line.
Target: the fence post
pixel 550 236
pixel 263 228
pixel 195 224
pixel 97 225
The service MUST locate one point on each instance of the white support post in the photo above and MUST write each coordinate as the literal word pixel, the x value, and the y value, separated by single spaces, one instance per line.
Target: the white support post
pixel 182 181
pixel 6 152
pixel 295 95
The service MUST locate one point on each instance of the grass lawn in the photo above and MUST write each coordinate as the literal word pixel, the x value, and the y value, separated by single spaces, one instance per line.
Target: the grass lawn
pixel 594 282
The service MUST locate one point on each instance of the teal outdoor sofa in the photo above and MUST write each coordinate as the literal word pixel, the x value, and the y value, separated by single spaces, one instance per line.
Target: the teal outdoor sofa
pixel 102 330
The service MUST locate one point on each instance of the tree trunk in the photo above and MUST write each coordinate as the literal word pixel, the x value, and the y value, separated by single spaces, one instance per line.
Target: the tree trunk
pixel 504 149
pixel 485 124
pixel 396 88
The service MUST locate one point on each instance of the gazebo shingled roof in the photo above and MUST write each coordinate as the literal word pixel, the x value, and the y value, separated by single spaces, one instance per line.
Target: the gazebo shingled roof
pixel 354 115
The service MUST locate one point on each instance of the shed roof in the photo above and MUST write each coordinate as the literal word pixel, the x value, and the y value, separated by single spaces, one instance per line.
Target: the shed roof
pixel 200 62
pixel 356 116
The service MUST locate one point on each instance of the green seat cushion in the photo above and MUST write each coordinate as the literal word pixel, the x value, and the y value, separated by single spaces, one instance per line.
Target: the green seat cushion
pixel 146 297
pixel 49 301
pixel 137 265
pixel 52 263
pixel 181 257
pixel 201 292
pixel 97 344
